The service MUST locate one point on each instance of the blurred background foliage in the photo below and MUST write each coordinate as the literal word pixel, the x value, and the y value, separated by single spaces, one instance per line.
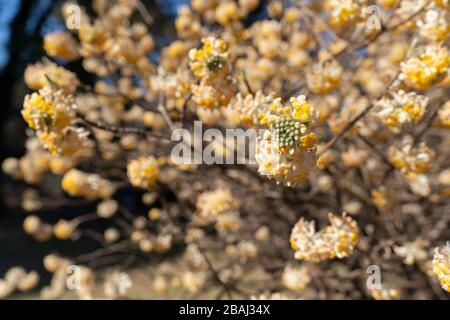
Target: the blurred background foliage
pixel 23 23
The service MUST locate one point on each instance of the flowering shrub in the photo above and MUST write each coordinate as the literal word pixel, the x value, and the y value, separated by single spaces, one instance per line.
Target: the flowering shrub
pixel 350 119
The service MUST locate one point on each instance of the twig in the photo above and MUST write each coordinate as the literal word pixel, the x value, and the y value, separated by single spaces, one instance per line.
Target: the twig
pixel 361 115
pixel 121 130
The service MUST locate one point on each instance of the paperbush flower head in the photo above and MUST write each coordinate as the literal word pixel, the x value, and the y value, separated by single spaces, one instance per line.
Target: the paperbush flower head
pixel 64 229
pixel 107 208
pixel 324 77
pixel 441 266
pixel 296 278
pixel 91 186
pixel 411 159
pixel 334 241
pixel 287 151
pixel 143 172
pixel 436 25
pixel 210 96
pixel 211 204
pixel 52 114
pixel 37 75
pixel 211 60
pixel 227 12
pixel 402 109
pixel 61 45
pixel 187 24
pixel 244 110
pixel 427 69
pixel 386 292
pixel 47 111
pixel 345 13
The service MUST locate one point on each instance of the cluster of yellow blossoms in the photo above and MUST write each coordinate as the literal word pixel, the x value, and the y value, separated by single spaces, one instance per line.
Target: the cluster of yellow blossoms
pixel 33 166
pixel 436 25
pixel 404 108
pixel 386 292
pixel 81 279
pixel 143 172
pixel 17 278
pixel 410 159
pixel 52 114
pixel 37 75
pixel 441 266
pixel 106 44
pixel 36 228
pixel 427 69
pixel 324 77
pixel 345 13
pixel 210 64
pixel 218 206
pixel 62 45
pixel 90 186
pixel 296 278
pixel 287 151
pixel 244 110
pixel 335 241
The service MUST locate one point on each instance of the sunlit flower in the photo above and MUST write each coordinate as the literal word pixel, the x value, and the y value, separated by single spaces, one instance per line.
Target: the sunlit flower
pixel 345 13
pixel 143 172
pixel 441 266
pixel 404 108
pixel 287 151
pixel 334 241
pixel 61 45
pixel 426 69
pixel 324 77
pixel 91 186
pixel 296 278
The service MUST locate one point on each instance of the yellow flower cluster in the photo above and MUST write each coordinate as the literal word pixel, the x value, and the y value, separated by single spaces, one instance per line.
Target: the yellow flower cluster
pixel 436 25
pixel 17 278
pixel 335 241
pixel 386 292
pixel 245 110
pixel 211 66
pixel 51 114
pixel 61 45
pixel 110 42
pixel 345 13
pixel 35 77
pixel 64 229
pixel 403 108
pixel 441 266
pixel 36 228
pixel 287 151
pixel 90 186
pixel 48 111
pixel 210 61
pixel 324 77
pixel 411 160
pixel 212 204
pixel 427 69
pixel 143 172
pixel 188 24
pixel 296 278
